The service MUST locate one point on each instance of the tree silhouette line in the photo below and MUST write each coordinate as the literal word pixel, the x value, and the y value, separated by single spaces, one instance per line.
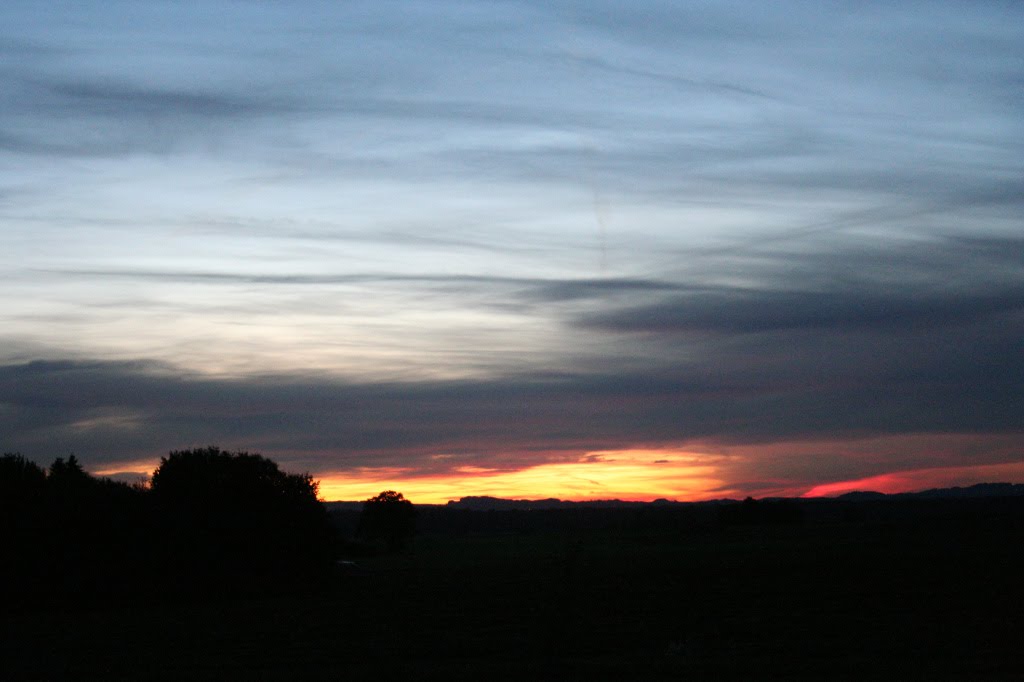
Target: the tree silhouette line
pixel 387 518
pixel 209 521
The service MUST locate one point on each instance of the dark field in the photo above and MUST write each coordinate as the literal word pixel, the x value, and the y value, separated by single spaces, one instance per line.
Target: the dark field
pixel 835 590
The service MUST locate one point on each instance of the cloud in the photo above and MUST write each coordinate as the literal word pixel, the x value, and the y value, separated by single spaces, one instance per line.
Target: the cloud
pixel 778 389
pixel 740 311
pixel 933 283
pixel 507 234
pixel 880 347
pixel 127 100
pixel 532 288
pixel 913 337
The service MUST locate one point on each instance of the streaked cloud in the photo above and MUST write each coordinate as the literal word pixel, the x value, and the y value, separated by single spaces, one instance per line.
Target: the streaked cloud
pixel 433 237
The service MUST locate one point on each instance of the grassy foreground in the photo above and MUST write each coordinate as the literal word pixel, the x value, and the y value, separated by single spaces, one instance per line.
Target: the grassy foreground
pixel 866 596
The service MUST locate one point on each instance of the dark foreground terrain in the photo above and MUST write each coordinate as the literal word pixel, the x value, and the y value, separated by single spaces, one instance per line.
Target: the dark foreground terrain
pixel 851 590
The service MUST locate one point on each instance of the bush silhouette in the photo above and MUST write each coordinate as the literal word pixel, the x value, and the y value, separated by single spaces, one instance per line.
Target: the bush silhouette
pixel 387 517
pixel 24 523
pixel 211 520
pixel 235 520
pixel 22 483
pixel 66 535
pixel 16 472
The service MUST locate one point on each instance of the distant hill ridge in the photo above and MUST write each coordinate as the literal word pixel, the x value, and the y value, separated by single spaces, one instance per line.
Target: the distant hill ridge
pixel 485 503
pixel 977 490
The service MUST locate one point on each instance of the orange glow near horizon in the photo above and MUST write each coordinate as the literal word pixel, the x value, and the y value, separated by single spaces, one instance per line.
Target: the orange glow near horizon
pixel 143 468
pixel 702 471
pixel 923 479
pixel 640 475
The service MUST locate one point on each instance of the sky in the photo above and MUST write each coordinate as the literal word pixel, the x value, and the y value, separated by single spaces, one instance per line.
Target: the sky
pixel 585 250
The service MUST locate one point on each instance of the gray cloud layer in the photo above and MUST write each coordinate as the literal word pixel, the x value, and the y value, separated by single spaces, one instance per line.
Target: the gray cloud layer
pixel 927 351
pixel 500 230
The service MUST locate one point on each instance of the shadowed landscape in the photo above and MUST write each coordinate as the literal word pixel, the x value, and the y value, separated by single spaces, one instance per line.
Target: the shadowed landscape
pixel 537 340
pixel 918 586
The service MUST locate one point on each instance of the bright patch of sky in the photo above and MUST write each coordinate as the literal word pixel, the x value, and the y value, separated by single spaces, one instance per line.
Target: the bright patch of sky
pixel 362 234
pixel 302 184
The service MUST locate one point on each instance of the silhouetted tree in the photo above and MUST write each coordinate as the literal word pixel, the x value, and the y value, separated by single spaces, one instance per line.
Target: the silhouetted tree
pixel 97 539
pixel 235 518
pixel 387 517
pixel 71 470
pixel 66 535
pixel 758 512
pixel 210 519
pixel 22 481
pixel 22 522
pixel 71 494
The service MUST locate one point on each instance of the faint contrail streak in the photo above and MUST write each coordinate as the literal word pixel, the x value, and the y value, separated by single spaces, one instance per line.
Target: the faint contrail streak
pixel 577 59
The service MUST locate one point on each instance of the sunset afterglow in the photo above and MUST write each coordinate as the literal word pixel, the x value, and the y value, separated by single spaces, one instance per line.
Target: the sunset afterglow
pixel 577 250
pixel 625 475
pixel 511 339
pixel 922 479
